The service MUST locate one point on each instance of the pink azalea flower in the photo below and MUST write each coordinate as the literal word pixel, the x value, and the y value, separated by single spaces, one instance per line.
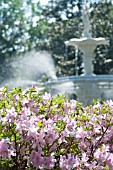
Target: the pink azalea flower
pixel 3 148
pixel 80 133
pixel 63 162
pixel 10 116
pixel 77 164
pixel 71 128
pixel 22 150
pixel 68 163
pixel 24 102
pixel 37 159
pixel 46 97
pixel 66 107
pixel 49 162
pixel 72 104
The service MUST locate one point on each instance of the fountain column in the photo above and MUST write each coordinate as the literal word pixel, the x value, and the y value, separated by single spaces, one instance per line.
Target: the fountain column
pixel 87 58
pixel 88 52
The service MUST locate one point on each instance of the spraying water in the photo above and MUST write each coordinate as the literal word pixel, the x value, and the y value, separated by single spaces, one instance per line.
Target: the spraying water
pixel 30 69
pixel 36 68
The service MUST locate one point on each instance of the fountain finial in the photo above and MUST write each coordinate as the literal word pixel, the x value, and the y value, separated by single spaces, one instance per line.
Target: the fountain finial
pixel 86 22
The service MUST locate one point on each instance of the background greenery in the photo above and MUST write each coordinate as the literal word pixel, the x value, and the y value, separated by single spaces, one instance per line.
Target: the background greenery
pixel 27 25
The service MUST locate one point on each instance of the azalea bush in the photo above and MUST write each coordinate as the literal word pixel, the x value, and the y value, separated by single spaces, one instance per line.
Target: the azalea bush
pixel 41 132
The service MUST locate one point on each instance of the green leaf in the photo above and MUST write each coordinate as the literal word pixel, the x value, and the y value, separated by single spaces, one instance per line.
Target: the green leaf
pixel 39 124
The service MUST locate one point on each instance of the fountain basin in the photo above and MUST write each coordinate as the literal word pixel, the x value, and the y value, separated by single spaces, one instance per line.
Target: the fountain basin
pixel 87 41
pixel 85 88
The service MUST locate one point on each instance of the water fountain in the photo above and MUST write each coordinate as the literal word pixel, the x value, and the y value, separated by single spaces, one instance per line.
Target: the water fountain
pixel 87 86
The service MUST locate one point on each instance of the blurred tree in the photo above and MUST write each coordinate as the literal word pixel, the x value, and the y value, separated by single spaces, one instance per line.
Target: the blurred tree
pixel 18 34
pixel 38 26
pixel 12 30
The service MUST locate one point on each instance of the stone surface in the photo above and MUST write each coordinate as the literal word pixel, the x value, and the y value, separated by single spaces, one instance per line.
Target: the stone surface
pixel 83 88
